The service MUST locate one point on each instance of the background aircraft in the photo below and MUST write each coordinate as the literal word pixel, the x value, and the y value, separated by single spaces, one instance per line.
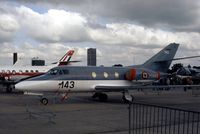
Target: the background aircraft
pixel 186 75
pixel 67 79
pixel 9 75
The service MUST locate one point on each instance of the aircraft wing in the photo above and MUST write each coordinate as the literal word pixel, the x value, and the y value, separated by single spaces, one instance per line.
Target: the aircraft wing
pixel 126 88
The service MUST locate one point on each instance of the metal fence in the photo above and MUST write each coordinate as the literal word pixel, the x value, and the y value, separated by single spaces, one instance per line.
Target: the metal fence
pixel 153 119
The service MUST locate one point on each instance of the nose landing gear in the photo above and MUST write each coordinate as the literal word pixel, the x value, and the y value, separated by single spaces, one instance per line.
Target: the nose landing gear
pixel 44 101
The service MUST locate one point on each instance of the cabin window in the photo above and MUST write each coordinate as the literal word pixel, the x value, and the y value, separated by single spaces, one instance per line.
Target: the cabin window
pixel 105 74
pixel 13 71
pixel 116 75
pixel 36 71
pixel 32 71
pixel 26 71
pixel 94 75
pixel 20 71
pixel 8 71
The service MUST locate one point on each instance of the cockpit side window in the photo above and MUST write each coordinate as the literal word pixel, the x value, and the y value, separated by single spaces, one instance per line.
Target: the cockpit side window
pixel 60 72
pixel 65 71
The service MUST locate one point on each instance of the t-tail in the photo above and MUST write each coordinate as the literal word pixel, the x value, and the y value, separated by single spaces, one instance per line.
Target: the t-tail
pixel 163 59
pixel 65 60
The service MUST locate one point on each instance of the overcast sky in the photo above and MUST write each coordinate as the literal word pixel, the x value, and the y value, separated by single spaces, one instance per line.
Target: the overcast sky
pixel 123 31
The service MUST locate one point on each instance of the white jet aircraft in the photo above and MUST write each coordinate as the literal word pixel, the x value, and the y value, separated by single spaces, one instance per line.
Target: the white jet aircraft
pixel 99 80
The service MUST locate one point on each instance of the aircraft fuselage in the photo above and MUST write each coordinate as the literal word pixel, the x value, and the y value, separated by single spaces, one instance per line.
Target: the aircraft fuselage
pixel 78 79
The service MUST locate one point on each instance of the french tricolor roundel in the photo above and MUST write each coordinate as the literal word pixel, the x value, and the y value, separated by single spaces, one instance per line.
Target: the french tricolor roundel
pixel 145 75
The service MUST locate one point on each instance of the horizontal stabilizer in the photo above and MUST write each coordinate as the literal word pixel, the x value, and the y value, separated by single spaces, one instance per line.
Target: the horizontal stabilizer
pixel 74 61
pixel 65 62
pixel 190 57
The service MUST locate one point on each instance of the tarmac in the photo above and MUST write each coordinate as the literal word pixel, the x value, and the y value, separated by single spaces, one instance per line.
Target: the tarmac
pixel 80 114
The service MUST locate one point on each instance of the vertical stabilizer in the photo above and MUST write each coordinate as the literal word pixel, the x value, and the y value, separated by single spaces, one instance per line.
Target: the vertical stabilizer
pixel 66 58
pixel 162 60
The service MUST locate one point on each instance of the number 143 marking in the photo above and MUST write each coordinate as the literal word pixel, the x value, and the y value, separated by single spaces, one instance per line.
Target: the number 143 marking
pixel 66 84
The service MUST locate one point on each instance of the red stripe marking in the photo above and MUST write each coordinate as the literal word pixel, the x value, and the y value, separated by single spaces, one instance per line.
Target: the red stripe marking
pixel 158 75
pixel 20 74
pixel 70 53
pixel 131 75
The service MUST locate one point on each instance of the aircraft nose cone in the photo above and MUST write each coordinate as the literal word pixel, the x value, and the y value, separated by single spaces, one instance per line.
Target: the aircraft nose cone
pixel 20 86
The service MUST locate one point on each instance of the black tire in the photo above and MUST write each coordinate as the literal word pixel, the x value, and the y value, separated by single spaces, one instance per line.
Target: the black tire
pixel 127 101
pixel 44 101
pixel 95 95
pixel 103 97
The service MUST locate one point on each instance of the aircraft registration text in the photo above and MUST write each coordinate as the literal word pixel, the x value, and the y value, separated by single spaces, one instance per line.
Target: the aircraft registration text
pixel 66 84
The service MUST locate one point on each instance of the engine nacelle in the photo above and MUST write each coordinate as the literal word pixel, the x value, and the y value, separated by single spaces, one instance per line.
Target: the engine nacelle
pixel 142 74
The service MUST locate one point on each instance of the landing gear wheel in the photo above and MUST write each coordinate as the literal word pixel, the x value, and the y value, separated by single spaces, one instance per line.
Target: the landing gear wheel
pixel 44 101
pixel 95 95
pixel 127 98
pixel 103 97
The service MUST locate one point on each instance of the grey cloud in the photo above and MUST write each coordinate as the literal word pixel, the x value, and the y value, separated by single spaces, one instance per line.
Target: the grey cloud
pixel 8 27
pixel 53 26
pixel 179 15
pixel 112 23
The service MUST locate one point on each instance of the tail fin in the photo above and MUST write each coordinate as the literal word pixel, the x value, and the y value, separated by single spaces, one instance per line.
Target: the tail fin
pixel 19 62
pixel 162 60
pixel 66 58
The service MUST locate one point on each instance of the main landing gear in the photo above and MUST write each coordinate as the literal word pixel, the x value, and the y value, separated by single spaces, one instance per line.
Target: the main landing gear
pixel 127 98
pixel 102 96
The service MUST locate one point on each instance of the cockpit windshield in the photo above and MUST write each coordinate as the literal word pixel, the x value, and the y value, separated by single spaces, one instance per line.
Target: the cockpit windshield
pixel 57 71
pixel 53 72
